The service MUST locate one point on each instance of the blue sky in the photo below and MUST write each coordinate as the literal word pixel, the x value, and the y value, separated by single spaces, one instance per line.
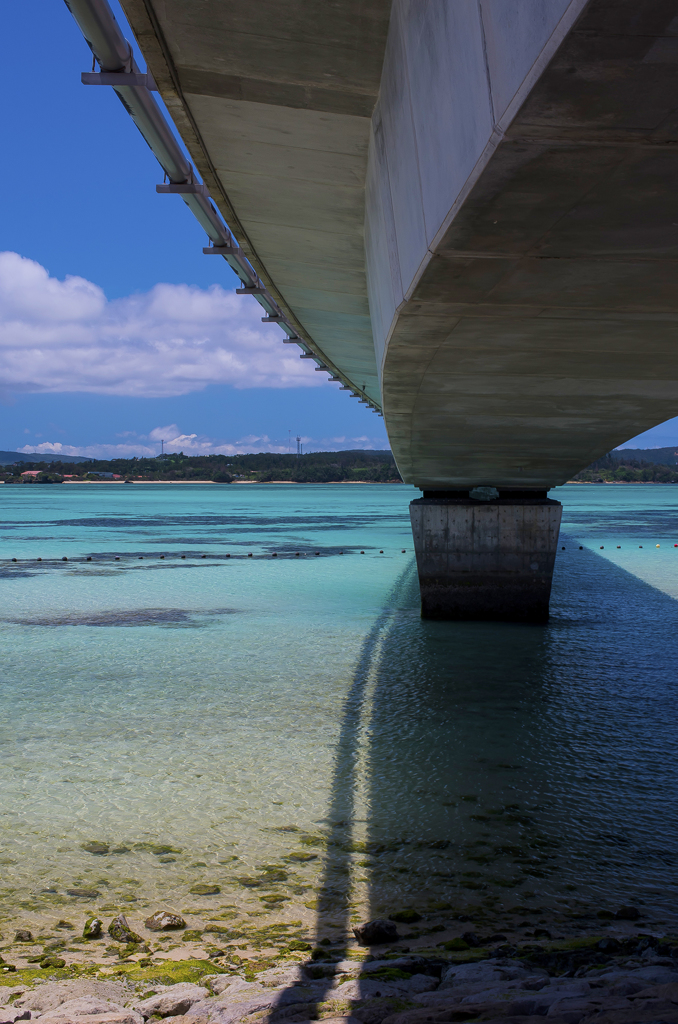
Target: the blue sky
pixel 90 254
pixel 79 200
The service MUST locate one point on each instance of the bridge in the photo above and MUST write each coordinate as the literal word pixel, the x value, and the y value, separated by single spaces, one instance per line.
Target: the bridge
pixel 465 211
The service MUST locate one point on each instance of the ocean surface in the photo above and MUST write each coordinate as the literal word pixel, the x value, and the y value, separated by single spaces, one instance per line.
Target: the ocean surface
pixel 289 732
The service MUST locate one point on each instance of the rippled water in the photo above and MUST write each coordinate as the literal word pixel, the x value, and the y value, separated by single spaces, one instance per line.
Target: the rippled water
pixel 290 728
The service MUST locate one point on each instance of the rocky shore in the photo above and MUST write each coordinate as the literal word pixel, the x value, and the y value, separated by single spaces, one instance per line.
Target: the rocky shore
pixel 617 968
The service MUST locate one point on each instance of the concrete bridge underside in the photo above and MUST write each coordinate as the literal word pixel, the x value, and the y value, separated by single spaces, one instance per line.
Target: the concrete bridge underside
pixel 470 207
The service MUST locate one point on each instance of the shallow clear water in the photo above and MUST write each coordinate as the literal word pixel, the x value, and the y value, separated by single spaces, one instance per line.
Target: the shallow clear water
pixel 241 710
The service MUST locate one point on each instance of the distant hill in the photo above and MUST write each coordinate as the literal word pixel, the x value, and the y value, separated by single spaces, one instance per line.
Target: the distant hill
pixel 8 458
pixel 663 456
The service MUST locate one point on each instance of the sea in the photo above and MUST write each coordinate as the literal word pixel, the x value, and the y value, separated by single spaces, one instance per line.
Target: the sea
pixel 223 699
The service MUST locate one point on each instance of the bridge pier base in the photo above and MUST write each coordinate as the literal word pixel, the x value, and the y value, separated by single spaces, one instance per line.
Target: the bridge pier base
pixel 485 559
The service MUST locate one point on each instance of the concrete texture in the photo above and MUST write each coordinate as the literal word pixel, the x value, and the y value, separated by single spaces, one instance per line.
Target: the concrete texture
pixel 274 103
pixel 497 176
pixel 485 559
pixel 522 235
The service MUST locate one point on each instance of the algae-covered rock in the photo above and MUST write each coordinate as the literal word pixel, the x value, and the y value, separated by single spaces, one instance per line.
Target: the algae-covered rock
pixel 301 857
pixel 191 935
pixel 23 935
pixel 119 930
pixel 163 921
pixel 89 894
pixel 455 944
pixel 93 928
pixel 204 889
pixel 65 924
pixel 297 944
pixel 95 847
pixel 52 961
pixel 405 916
pixel 375 933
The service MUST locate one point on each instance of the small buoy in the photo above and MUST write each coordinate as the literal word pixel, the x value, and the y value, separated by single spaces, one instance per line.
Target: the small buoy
pixel 657 545
pixel 89 558
pixel 562 549
pixel 341 552
pixel 204 556
pixel 317 552
pixel 117 558
pixel 141 558
pixel 14 559
pixel 183 556
pixel 162 556
pixel 618 546
pixel 581 547
pixel 602 547
pixel 64 559
pixel 39 559
pixel 403 551
pixel 362 552
pixel 381 552
pixel 249 555
pixel 274 555
pixel 296 554
pixel 640 545
pixel 227 556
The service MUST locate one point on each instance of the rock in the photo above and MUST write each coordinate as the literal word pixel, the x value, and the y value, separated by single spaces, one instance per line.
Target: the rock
pixel 90 894
pixel 116 1017
pixel 486 974
pixel 299 946
pixel 608 945
pixel 627 914
pixel 422 983
pixel 177 999
pixel 10 1014
pixel 93 928
pixel 471 938
pixel 364 988
pixel 457 943
pixel 163 921
pixel 191 935
pixel 52 961
pixel 119 930
pixel 65 924
pixel 23 935
pixel 405 916
pixel 97 848
pixel 376 933
pixel 279 976
pixel 203 889
pixel 84 1006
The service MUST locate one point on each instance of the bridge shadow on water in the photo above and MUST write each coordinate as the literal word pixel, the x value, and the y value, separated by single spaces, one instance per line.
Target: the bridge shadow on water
pixel 480 765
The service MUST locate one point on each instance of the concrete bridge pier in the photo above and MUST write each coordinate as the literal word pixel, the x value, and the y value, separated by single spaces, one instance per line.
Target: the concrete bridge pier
pixel 485 554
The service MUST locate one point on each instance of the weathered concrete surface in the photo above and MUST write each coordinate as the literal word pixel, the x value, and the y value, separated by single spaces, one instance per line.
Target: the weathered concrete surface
pixel 485 559
pixel 522 234
pixel 274 102
pixel 499 175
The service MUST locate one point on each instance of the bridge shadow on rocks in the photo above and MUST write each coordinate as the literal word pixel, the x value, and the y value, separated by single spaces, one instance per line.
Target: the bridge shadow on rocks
pixel 483 774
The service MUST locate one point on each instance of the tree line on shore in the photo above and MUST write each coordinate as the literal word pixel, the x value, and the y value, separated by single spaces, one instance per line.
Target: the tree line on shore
pixel 314 467
pixel 614 468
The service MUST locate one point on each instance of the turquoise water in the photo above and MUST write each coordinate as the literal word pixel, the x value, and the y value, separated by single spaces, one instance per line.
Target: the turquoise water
pixel 241 711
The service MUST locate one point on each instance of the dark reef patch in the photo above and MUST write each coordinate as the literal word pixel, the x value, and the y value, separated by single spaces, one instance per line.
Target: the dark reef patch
pixel 126 617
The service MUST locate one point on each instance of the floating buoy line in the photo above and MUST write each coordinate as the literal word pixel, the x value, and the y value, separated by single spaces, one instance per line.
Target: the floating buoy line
pixel 99 559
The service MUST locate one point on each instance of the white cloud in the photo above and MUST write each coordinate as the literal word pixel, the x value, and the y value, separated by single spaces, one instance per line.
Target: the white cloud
pixel 60 336
pixel 194 444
